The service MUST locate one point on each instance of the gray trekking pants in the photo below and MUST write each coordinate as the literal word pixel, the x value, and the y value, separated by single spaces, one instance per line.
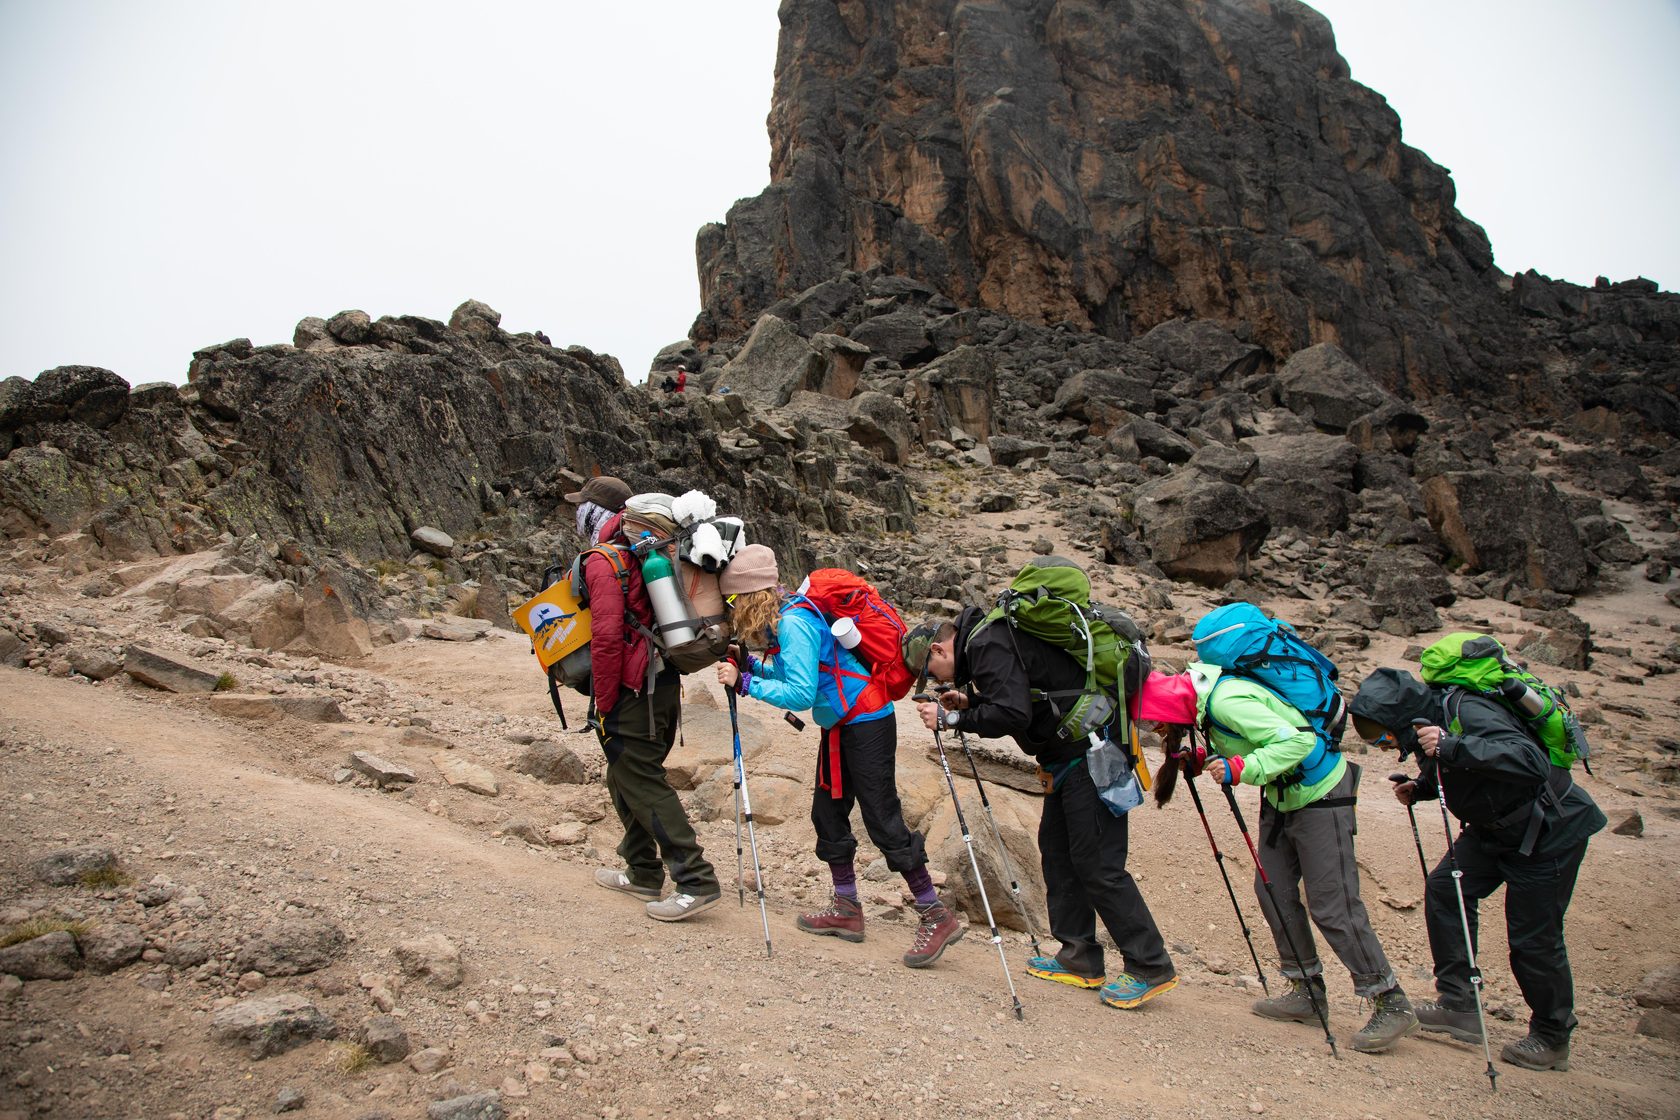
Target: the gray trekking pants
pixel 1313 846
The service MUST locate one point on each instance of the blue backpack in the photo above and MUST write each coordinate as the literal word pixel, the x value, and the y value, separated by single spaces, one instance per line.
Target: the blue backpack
pixel 1241 640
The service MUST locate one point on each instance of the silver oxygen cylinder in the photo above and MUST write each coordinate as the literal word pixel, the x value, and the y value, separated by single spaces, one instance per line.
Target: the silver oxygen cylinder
pixel 669 609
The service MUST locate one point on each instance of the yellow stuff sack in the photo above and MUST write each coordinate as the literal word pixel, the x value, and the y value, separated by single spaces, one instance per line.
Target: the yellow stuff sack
pixel 555 622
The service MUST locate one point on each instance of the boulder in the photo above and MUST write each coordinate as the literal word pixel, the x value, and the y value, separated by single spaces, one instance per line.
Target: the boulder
pixel 384 1038
pixel 382 772
pixel 1011 451
pixel 292 946
pixel 1103 399
pixel 1312 505
pixel 170 672
pixel 900 335
pixel 1403 587
pixel 1511 522
pixel 1199 529
pixel 109 946
pixel 1659 988
pixel 52 956
pixel 553 763
pixel 1017 822
pixel 466 775
pixel 1563 648
pixel 954 392
pixel 774 362
pixel 879 424
pixel 67 867
pixel 1236 465
pixel 86 395
pixel 435 541
pixel 1205 350
pixel 353 328
pixel 468 1106
pixel 433 958
pixel 1306 457
pixel 1324 385
pixel 270 1025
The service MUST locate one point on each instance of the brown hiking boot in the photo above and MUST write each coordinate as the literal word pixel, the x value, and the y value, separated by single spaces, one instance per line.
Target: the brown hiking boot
pixel 939 928
pixel 843 919
pixel 1392 1019
pixel 1533 1052
pixel 1294 1005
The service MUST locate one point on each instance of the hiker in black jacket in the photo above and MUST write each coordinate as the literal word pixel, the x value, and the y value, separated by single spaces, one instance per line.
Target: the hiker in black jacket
pixel 1082 844
pixel 1525 824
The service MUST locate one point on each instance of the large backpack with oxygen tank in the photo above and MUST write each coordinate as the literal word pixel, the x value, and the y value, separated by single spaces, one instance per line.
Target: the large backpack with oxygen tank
pixel 1478 664
pixel 1243 642
pixel 679 547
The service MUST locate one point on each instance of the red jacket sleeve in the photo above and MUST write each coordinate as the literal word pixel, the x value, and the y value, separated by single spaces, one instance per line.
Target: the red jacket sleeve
pixel 606 621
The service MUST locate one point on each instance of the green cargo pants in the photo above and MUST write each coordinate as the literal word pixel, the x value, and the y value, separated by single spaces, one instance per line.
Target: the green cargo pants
pixel 636 737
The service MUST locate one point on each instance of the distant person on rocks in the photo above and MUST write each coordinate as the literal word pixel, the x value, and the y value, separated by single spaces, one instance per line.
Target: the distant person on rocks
pixel 682 379
pixel 1492 773
pixel 542 338
pixel 1003 677
pixel 806 668
pixel 636 702
pixel 669 384
pixel 1307 826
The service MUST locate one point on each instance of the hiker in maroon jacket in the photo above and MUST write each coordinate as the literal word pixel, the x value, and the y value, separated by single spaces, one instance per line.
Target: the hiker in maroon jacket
pixel 636 699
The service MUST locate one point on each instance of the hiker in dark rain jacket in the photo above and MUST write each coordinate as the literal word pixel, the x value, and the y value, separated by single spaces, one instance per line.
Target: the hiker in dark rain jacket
pixel 1525 825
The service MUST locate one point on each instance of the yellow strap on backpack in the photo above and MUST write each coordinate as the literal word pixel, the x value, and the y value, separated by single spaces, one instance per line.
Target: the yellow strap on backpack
pixel 1139 763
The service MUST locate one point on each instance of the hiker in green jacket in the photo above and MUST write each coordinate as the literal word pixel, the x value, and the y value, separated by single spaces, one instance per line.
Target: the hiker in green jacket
pixel 1306 839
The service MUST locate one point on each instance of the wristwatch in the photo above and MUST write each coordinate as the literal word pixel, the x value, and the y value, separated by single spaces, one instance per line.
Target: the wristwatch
pixel 951 718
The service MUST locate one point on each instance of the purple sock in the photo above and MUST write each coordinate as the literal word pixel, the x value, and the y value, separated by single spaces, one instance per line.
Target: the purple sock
pixel 845 880
pixel 921 885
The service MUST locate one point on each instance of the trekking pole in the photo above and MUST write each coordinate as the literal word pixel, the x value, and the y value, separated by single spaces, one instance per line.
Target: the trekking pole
pixel 746 811
pixel 1464 919
pixel 1423 864
pixel 1003 853
pixel 1219 858
pixel 1289 938
pixel 968 839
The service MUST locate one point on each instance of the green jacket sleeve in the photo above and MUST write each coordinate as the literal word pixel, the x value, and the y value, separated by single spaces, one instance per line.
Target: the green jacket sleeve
pixel 1270 743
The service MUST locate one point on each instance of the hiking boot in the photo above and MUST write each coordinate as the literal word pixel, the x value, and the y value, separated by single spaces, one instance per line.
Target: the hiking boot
pixel 1392 1019
pixel 1462 1025
pixel 1051 969
pixel 939 928
pixel 679 906
pixel 1295 1005
pixel 615 880
pixel 1534 1052
pixel 843 919
pixel 1130 991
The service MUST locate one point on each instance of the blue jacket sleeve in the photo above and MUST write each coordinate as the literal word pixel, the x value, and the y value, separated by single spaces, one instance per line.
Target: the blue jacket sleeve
pixel 790 679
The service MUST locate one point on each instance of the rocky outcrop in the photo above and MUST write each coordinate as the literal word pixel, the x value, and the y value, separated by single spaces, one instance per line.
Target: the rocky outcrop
pixel 1111 167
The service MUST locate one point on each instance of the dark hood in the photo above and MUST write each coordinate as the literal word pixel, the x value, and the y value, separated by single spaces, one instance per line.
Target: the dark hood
pixel 1394 698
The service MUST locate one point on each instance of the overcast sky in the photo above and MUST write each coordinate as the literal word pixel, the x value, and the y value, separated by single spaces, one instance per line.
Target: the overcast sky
pixel 174 174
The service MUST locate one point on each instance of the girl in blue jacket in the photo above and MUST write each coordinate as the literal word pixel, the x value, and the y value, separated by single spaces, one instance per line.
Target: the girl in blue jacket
pixel 805 668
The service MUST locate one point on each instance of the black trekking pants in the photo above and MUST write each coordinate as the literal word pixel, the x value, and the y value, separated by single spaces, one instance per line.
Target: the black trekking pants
pixel 636 737
pixel 1082 847
pixel 1537 892
pixel 869 780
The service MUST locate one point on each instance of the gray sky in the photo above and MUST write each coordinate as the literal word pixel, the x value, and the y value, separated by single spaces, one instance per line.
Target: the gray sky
pixel 175 173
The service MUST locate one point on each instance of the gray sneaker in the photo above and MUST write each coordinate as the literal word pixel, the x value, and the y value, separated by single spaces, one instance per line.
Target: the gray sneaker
pixel 1536 1053
pixel 615 880
pixel 1392 1019
pixel 1295 1005
pixel 1462 1025
pixel 679 906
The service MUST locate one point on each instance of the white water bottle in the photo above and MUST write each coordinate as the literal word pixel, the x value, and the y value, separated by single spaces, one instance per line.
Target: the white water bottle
pixel 846 632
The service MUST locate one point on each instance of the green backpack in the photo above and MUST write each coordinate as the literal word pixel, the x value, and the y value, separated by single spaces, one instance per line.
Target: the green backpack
pixel 1478 664
pixel 1051 599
